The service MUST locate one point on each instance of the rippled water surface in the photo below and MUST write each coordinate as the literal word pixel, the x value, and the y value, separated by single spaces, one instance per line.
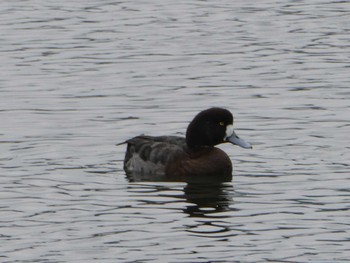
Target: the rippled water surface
pixel 78 77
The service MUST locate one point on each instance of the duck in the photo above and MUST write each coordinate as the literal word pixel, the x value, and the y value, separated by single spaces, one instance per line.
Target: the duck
pixel 192 156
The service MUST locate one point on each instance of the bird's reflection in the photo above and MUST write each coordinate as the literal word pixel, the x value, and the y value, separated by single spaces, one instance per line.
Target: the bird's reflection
pixel 204 196
pixel 207 199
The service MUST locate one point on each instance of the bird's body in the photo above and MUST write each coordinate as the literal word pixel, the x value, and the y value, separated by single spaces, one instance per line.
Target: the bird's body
pixel 193 156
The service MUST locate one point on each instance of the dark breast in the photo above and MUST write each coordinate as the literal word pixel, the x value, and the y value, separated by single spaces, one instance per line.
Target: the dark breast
pixel 210 162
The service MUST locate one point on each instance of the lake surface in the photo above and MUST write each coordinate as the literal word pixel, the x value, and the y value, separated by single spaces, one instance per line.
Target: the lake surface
pixel 78 77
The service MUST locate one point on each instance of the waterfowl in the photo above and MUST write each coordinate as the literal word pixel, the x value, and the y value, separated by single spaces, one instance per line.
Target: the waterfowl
pixel 193 156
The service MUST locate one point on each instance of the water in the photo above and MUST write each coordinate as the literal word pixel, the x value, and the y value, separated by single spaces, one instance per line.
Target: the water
pixel 78 77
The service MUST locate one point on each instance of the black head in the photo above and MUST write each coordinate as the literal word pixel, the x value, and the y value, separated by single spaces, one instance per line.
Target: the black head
pixel 210 127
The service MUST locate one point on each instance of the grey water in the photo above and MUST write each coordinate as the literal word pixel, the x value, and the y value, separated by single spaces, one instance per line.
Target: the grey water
pixel 79 77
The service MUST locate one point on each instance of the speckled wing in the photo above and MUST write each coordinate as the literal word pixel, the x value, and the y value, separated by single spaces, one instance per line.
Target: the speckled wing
pixel 148 154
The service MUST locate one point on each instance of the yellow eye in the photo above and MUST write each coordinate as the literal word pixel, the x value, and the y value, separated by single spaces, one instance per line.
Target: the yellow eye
pixel 221 123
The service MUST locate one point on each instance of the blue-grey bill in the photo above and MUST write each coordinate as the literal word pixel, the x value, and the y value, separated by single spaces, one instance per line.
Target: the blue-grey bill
pixel 238 141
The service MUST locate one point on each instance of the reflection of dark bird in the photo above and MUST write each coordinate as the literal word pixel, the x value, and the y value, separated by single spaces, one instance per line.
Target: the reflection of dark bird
pixel 216 196
pixel 182 158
